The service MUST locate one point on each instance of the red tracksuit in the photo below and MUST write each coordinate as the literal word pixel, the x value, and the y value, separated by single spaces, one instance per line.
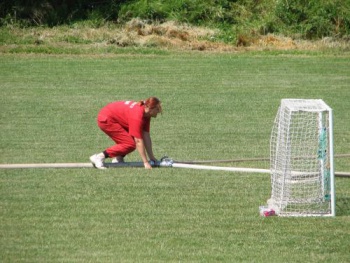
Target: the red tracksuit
pixel 122 121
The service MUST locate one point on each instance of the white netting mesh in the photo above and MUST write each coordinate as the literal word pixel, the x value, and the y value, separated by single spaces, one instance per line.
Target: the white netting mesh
pixel 299 148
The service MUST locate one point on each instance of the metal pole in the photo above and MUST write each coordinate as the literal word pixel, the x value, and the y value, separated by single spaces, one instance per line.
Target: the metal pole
pixel 331 160
pixel 67 165
pixel 220 168
pixel 140 164
pixel 46 165
pixel 345 155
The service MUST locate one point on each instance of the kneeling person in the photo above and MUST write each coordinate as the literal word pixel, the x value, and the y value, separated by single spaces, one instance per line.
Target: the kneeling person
pixel 127 123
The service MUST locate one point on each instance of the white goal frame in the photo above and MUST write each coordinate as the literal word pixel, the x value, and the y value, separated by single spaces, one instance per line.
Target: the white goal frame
pixel 301 159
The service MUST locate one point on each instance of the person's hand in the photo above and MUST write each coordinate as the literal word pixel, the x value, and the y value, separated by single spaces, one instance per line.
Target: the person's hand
pixel 147 165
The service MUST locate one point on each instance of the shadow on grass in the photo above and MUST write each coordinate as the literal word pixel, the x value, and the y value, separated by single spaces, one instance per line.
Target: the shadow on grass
pixel 342 206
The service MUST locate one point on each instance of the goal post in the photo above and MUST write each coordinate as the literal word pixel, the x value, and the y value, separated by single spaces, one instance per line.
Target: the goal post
pixel 301 159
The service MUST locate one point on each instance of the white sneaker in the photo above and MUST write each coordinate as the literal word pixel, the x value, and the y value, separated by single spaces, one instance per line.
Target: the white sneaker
pixel 118 159
pixel 98 161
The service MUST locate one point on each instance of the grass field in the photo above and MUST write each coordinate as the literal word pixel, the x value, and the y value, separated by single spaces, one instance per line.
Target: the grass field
pixel 216 106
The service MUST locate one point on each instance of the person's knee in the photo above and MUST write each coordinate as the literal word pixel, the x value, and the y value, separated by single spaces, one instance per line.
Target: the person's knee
pixel 130 146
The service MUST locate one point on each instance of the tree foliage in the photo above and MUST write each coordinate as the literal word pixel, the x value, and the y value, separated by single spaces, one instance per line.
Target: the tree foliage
pixel 315 19
pixel 306 18
pixel 55 12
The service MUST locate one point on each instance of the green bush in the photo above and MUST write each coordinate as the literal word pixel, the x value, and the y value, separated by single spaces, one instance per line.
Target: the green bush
pixel 52 13
pixel 143 9
pixel 314 19
pixel 301 18
pixel 198 12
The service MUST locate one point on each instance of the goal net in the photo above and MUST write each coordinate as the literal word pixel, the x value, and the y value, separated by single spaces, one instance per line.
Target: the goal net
pixel 301 159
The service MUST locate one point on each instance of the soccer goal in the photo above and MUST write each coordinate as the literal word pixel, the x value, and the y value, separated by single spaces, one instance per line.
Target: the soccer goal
pixel 301 159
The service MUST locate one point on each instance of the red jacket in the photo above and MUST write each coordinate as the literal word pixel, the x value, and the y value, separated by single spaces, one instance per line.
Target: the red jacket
pixel 128 114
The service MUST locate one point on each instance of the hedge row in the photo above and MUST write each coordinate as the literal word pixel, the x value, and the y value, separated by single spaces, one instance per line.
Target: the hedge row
pixel 301 18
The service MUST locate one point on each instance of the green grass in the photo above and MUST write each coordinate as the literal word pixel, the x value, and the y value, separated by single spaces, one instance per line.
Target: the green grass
pixel 216 106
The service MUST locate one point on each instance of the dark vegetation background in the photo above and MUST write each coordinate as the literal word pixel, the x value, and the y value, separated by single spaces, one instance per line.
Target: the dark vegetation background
pixel 302 19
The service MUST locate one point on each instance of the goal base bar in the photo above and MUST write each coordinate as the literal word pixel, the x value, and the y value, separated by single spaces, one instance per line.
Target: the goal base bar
pixel 304 215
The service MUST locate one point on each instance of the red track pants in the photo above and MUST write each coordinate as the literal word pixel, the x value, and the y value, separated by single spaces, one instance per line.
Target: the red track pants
pixel 124 142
